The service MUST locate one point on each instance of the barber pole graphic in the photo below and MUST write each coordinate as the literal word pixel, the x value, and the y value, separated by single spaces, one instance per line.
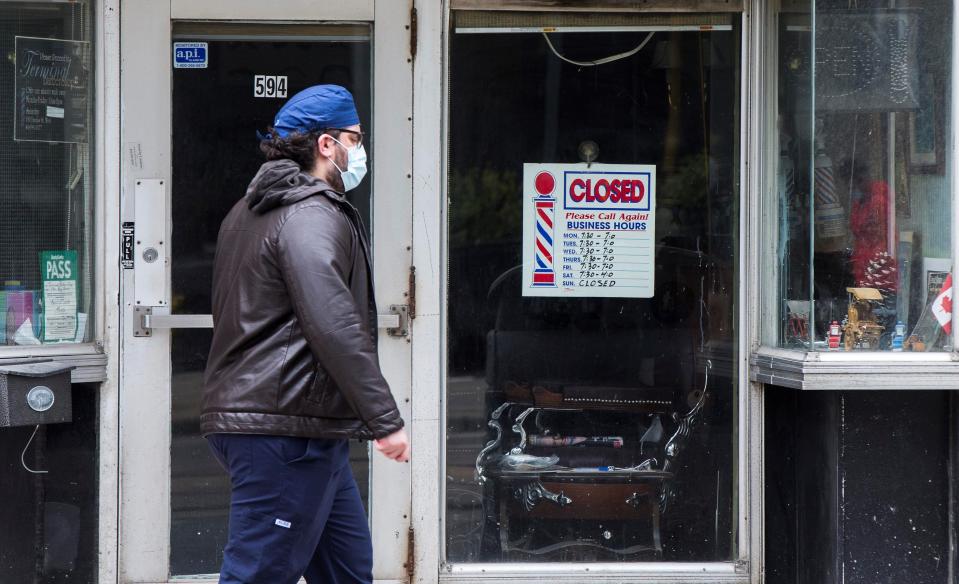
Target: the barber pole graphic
pixel 588 230
pixel 830 216
pixel 544 275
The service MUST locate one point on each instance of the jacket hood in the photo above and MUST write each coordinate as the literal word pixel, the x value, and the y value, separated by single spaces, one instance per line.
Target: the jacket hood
pixel 282 182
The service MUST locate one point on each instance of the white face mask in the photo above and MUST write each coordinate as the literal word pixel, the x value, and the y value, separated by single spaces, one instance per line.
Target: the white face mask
pixel 355 166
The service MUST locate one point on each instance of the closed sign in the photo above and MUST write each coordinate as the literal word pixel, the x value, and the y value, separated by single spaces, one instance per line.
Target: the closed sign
pixel 589 230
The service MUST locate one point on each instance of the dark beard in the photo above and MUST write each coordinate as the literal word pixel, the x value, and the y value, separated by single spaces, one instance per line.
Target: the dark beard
pixel 336 182
pixel 333 177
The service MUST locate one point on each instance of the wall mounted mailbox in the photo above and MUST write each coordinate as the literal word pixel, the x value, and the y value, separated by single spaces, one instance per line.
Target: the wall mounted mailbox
pixel 35 393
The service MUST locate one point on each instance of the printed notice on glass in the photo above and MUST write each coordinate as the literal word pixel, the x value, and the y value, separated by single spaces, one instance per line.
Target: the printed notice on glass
pixel 51 90
pixel 589 231
pixel 59 273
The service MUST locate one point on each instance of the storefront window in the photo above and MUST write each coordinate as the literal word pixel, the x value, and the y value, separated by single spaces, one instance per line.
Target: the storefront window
pixel 46 173
pixel 593 261
pixel 863 237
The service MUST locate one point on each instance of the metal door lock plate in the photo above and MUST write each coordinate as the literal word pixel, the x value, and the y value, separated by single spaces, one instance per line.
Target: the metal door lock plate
pixel 397 321
pixel 139 326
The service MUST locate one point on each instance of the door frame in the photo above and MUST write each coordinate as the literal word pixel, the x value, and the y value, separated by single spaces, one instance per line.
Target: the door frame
pixel 141 536
pixel 430 252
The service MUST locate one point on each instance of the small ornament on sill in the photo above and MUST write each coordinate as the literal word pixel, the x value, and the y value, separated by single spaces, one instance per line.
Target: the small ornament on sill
pixel 835 333
pixel 898 336
pixel 862 329
pixel 915 343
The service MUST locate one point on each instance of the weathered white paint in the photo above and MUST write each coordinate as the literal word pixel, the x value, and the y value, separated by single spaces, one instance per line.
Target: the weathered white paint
pixel 257 10
pixel 108 280
pixel 144 404
pixel 390 490
pixel 429 256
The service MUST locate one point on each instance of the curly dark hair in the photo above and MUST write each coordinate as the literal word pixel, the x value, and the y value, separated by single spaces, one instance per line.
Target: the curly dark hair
pixel 300 147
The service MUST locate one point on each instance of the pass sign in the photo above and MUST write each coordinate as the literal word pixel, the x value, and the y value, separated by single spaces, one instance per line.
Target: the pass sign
pixel 589 231
pixel 191 55
pixel 58 270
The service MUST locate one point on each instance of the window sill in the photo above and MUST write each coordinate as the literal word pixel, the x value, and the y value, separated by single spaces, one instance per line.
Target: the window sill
pixel 559 572
pixel 88 358
pixel 814 370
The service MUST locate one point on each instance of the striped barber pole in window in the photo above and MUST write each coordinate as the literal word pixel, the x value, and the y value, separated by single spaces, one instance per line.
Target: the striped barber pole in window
pixel 543 272
pixel 830 216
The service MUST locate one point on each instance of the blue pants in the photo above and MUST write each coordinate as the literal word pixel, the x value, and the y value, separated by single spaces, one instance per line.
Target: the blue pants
pixel 295 511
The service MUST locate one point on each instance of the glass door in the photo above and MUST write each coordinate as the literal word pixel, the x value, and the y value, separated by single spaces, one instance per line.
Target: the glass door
pixel 216 113
pixel 189 159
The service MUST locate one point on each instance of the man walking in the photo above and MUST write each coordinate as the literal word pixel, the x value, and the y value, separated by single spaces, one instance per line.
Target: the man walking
pixel 293 372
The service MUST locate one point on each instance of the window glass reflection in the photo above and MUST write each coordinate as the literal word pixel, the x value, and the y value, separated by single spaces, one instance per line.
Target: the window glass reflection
pixel 592 428
pixel 217 155
pixel 864 235
pixel 46 174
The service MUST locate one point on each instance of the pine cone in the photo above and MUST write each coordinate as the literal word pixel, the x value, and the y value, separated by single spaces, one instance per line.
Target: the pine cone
pixel 882 273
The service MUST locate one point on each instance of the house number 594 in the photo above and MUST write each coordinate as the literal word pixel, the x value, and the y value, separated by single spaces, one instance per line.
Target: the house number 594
pixel 269 86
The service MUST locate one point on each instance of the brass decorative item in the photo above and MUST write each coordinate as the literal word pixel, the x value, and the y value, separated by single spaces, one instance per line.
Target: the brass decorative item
pixel 861 328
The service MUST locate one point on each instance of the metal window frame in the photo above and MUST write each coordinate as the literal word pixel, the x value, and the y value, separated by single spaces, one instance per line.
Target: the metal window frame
pixel 430 175
pixel 823 370
pixel 951 156
pixel 603 5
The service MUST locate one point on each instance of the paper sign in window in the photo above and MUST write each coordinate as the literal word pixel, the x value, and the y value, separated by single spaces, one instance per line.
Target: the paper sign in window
pixel 589 231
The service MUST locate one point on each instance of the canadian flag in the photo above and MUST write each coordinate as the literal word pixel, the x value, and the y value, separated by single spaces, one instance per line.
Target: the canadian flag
pixel 942 305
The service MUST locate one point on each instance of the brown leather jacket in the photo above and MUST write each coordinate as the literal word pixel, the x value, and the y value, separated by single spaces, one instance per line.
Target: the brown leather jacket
pixel 294 341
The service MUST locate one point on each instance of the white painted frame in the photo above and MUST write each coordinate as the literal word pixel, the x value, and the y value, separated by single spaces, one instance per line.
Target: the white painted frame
pixel 108 218
pixel 104 348
pixel 143 412
pixel 431 68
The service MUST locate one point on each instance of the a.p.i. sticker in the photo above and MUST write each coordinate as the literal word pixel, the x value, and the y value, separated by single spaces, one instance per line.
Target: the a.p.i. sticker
pixel 190 55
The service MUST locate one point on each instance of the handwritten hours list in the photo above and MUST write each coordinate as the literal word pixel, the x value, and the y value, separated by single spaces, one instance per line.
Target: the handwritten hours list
pixel 589 232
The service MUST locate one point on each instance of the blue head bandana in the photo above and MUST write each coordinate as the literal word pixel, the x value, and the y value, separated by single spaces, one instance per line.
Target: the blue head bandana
pixel 316 108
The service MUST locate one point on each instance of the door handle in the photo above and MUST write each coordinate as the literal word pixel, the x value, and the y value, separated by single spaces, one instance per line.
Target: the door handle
pixel 387 321
pixel 144 321
pixel 178 321
pixel 396 322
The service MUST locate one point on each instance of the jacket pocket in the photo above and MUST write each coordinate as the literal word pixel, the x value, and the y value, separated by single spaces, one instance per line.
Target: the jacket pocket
pixel 319 385
pixel 324 399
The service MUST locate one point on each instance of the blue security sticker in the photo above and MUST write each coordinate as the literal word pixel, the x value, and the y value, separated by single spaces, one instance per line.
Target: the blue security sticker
pixel 190 55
